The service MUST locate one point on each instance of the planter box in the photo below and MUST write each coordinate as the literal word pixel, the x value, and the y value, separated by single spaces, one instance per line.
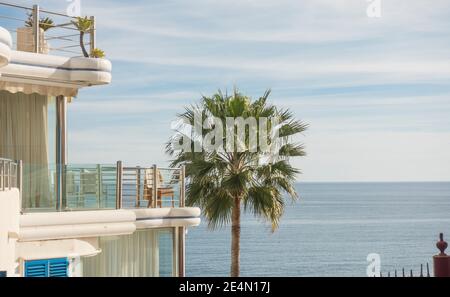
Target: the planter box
pixel 25 41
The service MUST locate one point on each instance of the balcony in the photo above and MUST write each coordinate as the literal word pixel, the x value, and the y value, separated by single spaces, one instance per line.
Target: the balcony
pixel 49 53
pixel 40 31
pixel 53 188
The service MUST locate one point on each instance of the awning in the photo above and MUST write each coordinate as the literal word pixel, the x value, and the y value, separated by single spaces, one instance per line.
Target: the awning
pixel 66 248
pixel 15 87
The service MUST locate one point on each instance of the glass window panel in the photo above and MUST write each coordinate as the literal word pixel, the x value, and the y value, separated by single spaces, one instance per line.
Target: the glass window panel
pixel 145 253
pixel 166 254
pixel 28 133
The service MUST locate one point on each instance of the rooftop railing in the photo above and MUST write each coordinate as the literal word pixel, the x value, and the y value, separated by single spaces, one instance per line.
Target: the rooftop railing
pixel 42 31
pixel 76 187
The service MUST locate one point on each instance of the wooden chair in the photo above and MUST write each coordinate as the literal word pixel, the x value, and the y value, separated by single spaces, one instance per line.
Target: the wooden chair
pixel 162 191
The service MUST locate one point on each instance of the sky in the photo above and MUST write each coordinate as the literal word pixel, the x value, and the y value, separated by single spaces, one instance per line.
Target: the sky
pixel 375 91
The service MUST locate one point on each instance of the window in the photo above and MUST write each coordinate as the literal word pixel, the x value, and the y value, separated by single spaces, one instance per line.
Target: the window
pixel 28 133
pixel 144 253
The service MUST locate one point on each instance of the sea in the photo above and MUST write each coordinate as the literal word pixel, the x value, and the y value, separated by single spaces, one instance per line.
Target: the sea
pixel 331 231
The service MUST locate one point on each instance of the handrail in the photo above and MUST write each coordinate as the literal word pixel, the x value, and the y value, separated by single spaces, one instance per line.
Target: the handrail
pixel 151 187
pixel 109 186
pixel 14 5
pixel 100 186
pixel 42 10
pixel 57 13
pixel 119 181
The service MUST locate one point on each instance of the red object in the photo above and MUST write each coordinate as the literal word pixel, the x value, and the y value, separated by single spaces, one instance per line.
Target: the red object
pixel 441 261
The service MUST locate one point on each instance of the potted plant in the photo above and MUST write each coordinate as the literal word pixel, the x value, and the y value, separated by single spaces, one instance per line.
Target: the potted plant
pixel 97 53
pixel 25 35
pixel 83 25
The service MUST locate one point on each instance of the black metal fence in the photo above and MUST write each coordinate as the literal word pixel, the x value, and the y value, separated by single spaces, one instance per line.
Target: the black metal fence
pixel 423 272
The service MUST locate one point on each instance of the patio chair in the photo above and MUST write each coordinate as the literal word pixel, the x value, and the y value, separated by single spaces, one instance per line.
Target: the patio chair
pixel 162 190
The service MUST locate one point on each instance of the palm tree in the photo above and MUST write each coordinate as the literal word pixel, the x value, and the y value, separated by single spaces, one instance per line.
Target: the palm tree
pixel 223 182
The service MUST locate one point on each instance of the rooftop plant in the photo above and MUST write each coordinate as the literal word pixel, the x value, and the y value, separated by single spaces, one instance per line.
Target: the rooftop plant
pixel 97 53
pixel 84 25
pixel 44 23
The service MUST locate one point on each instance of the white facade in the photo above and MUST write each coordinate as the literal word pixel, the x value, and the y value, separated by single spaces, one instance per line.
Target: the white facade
pixel 48 233
pixel 9 230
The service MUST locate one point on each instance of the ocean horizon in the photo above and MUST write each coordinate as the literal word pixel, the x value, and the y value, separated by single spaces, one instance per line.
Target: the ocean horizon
pixel 331 230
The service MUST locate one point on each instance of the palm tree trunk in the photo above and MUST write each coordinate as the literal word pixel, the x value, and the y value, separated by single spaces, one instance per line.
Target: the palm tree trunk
pixel 235 237
pixel 83 48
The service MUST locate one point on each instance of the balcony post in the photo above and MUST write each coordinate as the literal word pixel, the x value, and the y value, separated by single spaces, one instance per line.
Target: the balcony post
pixel 183 186
pixel 20 182
pixel 119 185
pixel 92 35
pixel 442 260
pixel 61 142
pixel 36 28
pixel 155 187
pixel 100 185
pixel 138 187
pixel 181 251
pixel 2 175
pixel 8 175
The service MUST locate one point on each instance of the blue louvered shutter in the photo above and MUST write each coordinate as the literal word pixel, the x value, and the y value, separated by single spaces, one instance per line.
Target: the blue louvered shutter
pixel 58 267
pixel 47 268
pixel 36 268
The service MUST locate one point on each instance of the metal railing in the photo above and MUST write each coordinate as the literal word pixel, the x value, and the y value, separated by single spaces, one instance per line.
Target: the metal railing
pixel 89 187
pixel 33 33
pixel 150 187
pixel 410 273
pixel 104 186
pixel 10 174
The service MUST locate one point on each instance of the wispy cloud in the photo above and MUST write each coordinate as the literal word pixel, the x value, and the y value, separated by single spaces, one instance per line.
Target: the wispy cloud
pixel 375 91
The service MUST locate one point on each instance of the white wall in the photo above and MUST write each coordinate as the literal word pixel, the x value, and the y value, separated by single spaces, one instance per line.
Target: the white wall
pixel 9 229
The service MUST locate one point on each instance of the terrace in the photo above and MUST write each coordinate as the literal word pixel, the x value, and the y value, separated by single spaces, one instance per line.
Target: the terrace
pixel 92 187
pixel 44 67
pixel 51 207
pixel 40 31
pixel 47 188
